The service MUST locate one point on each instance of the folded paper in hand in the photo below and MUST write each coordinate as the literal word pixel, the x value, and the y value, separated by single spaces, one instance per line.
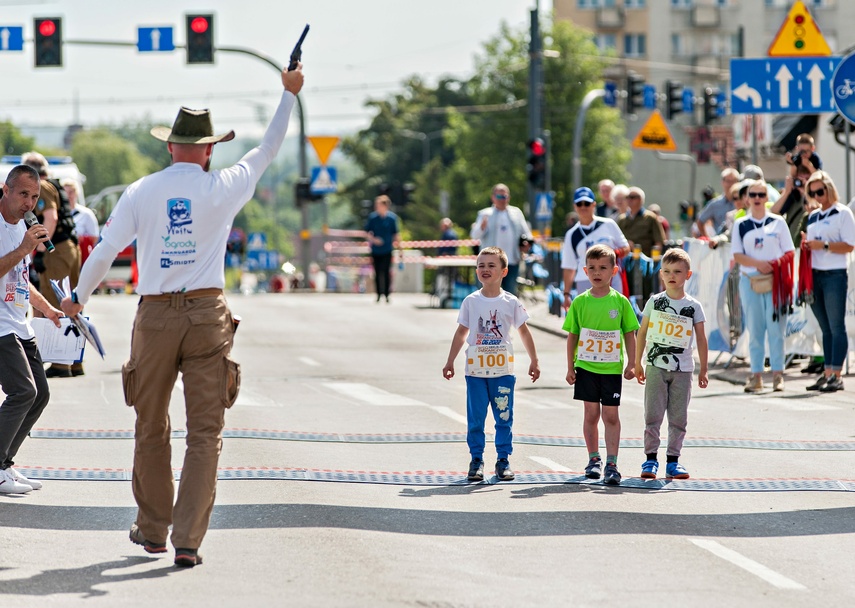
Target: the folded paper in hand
pixel 86 329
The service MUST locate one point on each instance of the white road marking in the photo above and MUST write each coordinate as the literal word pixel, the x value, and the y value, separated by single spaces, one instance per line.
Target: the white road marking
pixel 371 394
pixel 308 361
pixel 550 464
pixel 447 411
pixel 104 393
pixel 757 569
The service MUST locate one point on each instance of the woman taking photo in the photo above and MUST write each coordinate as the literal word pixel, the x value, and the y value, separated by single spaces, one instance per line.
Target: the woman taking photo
pixel 762 244
pixel 830 237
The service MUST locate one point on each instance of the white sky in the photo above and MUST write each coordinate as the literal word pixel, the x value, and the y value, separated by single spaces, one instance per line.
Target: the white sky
pixel 356 49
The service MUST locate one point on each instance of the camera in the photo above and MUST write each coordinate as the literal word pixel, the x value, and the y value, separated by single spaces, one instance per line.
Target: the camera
pixel 797 156
pixel 797 182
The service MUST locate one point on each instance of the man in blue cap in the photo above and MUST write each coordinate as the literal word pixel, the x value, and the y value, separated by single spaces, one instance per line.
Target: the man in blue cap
pixel 590 230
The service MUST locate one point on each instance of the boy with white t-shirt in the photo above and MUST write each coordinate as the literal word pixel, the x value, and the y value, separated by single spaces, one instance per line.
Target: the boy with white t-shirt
pixel 672 322
pixel 485 319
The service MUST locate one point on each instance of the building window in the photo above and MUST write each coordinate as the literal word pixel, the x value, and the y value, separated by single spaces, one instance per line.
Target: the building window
pixel 606 41
pixel 634 45
pixel 634 3
pixel 684 3
pixel 594 3
pixel 678 45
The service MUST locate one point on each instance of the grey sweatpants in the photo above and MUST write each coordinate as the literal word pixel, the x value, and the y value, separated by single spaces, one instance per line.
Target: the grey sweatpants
pixel 666 391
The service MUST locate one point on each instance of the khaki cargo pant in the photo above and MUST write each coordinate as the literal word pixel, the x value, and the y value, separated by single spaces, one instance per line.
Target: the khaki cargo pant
pixel 191 333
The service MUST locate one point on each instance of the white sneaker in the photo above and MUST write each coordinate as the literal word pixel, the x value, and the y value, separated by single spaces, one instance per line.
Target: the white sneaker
pixel 8 484
pixel 36 485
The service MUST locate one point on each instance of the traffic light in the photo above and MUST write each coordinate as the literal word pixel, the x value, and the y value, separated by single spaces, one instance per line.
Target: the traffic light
pixel 200 38
pixel 634 92
pixel 673 98
pixel 711 99
pixel 303 192
pixel 48 42
pixel 537 163
pixel 407 193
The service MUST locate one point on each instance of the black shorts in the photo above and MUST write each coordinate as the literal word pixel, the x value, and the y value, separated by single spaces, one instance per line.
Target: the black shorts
pixel 598 388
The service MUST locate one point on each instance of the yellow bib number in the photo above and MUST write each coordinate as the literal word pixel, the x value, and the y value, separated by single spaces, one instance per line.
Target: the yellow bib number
pixel 488 361
pixel 669 329
pixel 599 346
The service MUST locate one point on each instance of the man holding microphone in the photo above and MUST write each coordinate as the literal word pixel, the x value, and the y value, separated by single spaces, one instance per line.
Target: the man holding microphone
pixel 22 373
pixel 181 218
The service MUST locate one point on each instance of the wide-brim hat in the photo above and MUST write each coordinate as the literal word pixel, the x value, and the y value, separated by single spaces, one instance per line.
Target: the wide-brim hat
pixel 191 127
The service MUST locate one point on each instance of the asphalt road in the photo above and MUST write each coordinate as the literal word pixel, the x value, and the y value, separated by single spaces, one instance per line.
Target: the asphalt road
pixel 371 507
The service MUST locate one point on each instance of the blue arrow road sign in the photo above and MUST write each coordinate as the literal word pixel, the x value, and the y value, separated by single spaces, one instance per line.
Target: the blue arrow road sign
pixel 649 93
pixel 610 98
pixel 782 85
pixel 324 180
pixel 688 100
pixel 843 87
pixel 154 39
pixel 11 38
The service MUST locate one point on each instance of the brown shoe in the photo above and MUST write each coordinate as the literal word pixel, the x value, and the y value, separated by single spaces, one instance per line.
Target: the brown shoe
pixel 754 384
pixel 187 558
pixel 137 538
pixel 778 382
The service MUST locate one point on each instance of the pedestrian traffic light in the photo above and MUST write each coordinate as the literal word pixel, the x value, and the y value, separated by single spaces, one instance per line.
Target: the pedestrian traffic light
pixel 407 193
pixel 537 163
pixel 303 192
pixel 48 39
pixel 673 98
pixel 200 38
pixel 711 99
pixel 634 92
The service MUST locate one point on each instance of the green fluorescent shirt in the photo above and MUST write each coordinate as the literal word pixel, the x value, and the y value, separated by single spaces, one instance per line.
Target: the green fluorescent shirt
pixel 611 312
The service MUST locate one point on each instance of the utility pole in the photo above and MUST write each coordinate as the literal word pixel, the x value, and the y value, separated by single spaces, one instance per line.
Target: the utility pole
pixel 535 98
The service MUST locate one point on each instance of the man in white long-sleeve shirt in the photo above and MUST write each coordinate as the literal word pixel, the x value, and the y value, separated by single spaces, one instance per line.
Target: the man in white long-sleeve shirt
pixel 181 218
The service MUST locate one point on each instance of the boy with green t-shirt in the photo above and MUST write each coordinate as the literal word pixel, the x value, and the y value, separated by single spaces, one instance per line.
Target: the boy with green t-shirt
pixel 600 323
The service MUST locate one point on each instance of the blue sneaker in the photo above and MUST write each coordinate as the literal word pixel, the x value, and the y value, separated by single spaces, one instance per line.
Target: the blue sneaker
pixel 476 470
pixel 674 470
pixel 649 469
pixel 503 470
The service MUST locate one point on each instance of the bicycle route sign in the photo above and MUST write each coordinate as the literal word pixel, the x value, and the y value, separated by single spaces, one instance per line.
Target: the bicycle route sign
pixel 783 85
pixel 843 87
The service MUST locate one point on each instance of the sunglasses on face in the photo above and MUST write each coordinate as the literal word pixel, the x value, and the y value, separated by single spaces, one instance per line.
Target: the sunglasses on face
pixel 817 192
pixel 584 203
pixel 757 195
pixel 500 196
pixel 633 196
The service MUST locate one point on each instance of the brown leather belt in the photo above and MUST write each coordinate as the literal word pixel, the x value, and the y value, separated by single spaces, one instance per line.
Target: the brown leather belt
pixel 177 298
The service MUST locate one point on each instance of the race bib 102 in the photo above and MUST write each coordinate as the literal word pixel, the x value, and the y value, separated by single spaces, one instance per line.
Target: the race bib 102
pixel 669 329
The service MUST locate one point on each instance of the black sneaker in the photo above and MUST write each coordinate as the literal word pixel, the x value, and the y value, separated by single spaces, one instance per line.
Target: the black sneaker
pixel 503 470
pixel 476 470
pixel 55 371
pixel 187 558
pixel 816 386
pixel 834 384
pixel 612 476
pixel 594 468
pixel 814 367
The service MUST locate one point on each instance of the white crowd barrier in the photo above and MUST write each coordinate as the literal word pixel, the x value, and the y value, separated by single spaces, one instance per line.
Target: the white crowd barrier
pixel 708 284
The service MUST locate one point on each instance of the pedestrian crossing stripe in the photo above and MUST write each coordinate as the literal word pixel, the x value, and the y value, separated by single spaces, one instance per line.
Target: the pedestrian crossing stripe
pixel 446 478
pixel 523 439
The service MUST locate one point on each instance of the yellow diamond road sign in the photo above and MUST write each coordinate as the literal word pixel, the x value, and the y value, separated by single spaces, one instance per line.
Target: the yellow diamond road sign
pixel 799 36
pixel 654 135
pixel 324 146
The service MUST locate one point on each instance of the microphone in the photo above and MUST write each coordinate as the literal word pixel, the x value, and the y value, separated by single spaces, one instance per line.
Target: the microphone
pixel 31 220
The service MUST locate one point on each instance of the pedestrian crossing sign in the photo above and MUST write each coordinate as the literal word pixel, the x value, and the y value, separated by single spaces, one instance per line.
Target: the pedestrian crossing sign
pixel 324 180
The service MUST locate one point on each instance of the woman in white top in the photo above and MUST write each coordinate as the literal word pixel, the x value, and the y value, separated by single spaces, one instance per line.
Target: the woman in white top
pixel 758 239
pixel 830 236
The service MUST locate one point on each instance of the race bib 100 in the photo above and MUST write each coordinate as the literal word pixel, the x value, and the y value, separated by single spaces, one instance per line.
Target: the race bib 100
pixel 599 346
pixel 490 360
pixel 669 329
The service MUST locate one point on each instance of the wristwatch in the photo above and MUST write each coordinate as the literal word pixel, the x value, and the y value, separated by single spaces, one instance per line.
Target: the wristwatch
pixel 825 245
pixel 74 298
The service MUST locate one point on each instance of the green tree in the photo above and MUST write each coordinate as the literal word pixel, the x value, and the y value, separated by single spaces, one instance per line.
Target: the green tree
pixel 12 141
pixel 484 121
pixel 106 159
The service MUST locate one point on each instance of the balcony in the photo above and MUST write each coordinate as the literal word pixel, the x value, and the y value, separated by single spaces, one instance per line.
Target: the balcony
pixel 704 15
pixel 610 17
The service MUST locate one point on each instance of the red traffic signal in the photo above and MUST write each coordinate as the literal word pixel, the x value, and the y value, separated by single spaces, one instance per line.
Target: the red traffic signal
pixel 536 166
pixel 48 42
pixel 200 38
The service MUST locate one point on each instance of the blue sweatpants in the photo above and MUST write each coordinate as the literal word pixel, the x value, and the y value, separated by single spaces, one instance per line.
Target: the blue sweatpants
pixel 498 393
